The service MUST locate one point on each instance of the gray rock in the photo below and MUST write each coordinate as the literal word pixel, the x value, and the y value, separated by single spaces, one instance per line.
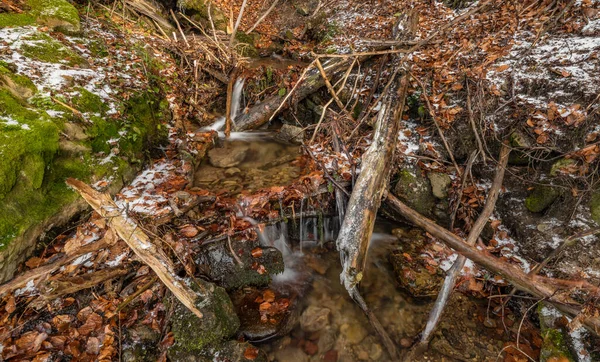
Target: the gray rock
pixel 291 134
pixel 415 189
pixel 227 156
pixel 440 182
pixel 314 319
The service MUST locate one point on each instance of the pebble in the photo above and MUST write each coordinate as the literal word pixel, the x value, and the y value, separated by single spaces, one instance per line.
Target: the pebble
pixel 291 354
pixel 353 332
pixel 314 318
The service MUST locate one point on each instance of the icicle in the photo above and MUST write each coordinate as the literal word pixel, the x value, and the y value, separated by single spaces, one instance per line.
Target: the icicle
pixel 301 225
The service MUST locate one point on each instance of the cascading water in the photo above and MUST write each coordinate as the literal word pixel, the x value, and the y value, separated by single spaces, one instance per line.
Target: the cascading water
pixel 236 106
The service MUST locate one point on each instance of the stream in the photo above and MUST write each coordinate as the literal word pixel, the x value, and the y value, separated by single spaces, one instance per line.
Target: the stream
pixel 307 313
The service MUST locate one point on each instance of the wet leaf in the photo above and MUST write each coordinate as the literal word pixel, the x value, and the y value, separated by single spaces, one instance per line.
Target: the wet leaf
pixel 251 353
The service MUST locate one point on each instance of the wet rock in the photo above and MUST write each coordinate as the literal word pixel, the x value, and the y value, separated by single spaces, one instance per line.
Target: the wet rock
pixel 233 171
pixel 412 272
pixel 193 335
pixel 257 263
pixel 141 343
pixel 415 189
pixel 326 340
pixel 541 198
pixel 227 351
pixel 354 333
pixel 253 326
pixel 292 134
pixel 440 182
pixel 314 319
pixel 461 337
pixel 227 156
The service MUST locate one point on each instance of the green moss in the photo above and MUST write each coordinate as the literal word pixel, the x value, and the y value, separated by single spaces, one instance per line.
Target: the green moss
pixel 562 163
pixel 415 189
pixel 193 335
pixel 87 101
pixel 9 20
pixel 20 86
pixel 57 14
pixel 43 48
pixel 201 8
pixel 554 346
pixel 541 198
pixel 595 207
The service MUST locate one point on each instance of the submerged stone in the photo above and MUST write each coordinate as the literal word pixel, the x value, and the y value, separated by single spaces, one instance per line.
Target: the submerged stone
pixel 227 156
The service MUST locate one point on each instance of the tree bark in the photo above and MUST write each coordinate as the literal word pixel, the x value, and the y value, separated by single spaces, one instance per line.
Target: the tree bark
pixel 262 112
pixel 139 242
pixel 355 234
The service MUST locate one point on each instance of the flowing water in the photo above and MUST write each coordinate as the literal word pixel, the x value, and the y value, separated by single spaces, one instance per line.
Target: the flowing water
pixel 318 320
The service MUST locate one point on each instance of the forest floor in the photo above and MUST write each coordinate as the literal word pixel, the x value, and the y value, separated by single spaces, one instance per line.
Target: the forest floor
pixel 479 75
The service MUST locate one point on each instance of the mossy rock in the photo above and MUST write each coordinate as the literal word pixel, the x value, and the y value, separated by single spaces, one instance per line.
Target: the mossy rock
pixel 541 198
pixel 192 334
pixel 21 87
pixel 595 207
pixel 59 15
pixel 555 344
pixel 247 44
pixel 42 47
pixel 200 7
pixel 415 189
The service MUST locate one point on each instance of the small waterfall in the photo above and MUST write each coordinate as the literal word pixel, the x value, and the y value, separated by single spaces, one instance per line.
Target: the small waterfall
pixel 236 99
pixel 236 106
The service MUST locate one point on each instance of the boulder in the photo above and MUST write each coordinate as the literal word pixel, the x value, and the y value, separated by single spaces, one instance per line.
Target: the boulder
pixel 194 335
pixel 216 262
pixel 440 183
pixel 541 198
pixel 292 134
pixel 415 189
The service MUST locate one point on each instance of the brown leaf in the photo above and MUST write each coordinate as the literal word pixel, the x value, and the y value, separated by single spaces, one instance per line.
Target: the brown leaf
pixel 92 346
pixel 93 323
pixel 268 296
pixel 62 322
pixel 10 305
pixel 34 262
pixel 251 353
pixel 189 231
pixel 257 252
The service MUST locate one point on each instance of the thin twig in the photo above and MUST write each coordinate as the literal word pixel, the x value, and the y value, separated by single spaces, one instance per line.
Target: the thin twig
pixel 263 16
pixel 437 125
pixel 237 23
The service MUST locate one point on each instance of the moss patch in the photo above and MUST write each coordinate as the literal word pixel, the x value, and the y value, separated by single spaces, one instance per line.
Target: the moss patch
pixel 43 48
pixel 57 14
pixel 595 207
pixel 541 198
pixel 9 20
pixel 415 190
pixel 193 335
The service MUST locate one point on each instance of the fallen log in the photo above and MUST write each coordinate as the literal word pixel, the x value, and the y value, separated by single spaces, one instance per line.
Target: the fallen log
pixel 52 289
pixel 527 283
pixel 357 227
pixel 454 272
pixel 355 233
pixel 45 270
pixel 149 253
pixel 263 112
